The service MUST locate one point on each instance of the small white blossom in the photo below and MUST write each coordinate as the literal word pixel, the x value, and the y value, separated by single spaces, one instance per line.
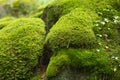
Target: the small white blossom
pixel 97 25
pixel 116 58
pixel 100 35
pixel 119 65
pixel 106 20
pixel 113 57
pixel 99 43
pixel 106 47
pixel 105 35
pixel 108 28
pixel 115 21
pixel 103 23
pixel 116 17
pixel 98 50
pixel 115 69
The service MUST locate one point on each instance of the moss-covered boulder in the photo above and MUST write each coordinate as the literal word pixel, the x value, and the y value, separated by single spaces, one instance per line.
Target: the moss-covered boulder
pixel 86 61
pixel 5 21
pixel 72 30
pixel 56 8
pixel 21 43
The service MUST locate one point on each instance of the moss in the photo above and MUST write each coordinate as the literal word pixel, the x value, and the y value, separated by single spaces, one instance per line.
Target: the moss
pixel 55 63
pixel 103 8
pixel 5 21
pixel 56 8
pixel 21 45
pixel 37 15
pixel 87 60
pixel 72 30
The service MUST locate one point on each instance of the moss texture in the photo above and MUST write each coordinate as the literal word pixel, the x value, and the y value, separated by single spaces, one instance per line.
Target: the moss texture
pixel 21 45
pixel 56 8
pixel 5 21
pixel 79 59
pixel 72 30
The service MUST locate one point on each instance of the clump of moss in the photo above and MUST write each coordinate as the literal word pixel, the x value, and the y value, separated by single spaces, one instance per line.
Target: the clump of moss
pixel 80 59
pixel 5 21
pixel 21 43
pixel 56 8
pixel 72 30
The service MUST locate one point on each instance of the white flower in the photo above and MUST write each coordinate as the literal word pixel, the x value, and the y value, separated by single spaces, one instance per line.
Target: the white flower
pixel 108 28
pixel 115 21
pixel 116 17
pixel 106 47
pixel 100 35
pixel 115 69
pixel 116 58
pixel 98 50
pixel 105 35
pixel 99 43
pixel 103 23
pixel 106 20
pixel 97 25
pixel 113 57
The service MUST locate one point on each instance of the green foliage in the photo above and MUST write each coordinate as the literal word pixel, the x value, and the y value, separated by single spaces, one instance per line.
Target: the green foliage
pixel 5 21
pixel 21 43
pixel 91 61
pixel 72 30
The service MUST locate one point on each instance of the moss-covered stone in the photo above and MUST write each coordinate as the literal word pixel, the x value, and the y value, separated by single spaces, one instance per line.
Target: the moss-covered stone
pixel 72 30
pixel 87 60
pixel 5 21
pixel 21 43
pixel 56 8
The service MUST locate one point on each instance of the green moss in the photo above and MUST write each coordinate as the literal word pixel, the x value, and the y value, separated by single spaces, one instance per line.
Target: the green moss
pixel 56 8
pixel 56 62
pixel 88 60
pixel 37 15
pixel 21 43
pixel 5 21
pixel 72 30
pixel 103 8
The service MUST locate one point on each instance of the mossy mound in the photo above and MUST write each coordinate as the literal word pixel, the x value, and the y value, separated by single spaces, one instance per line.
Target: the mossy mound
pixel 87 60
pixel 56 8
pixel 21 43
pixel 5 21
pixel 72 30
